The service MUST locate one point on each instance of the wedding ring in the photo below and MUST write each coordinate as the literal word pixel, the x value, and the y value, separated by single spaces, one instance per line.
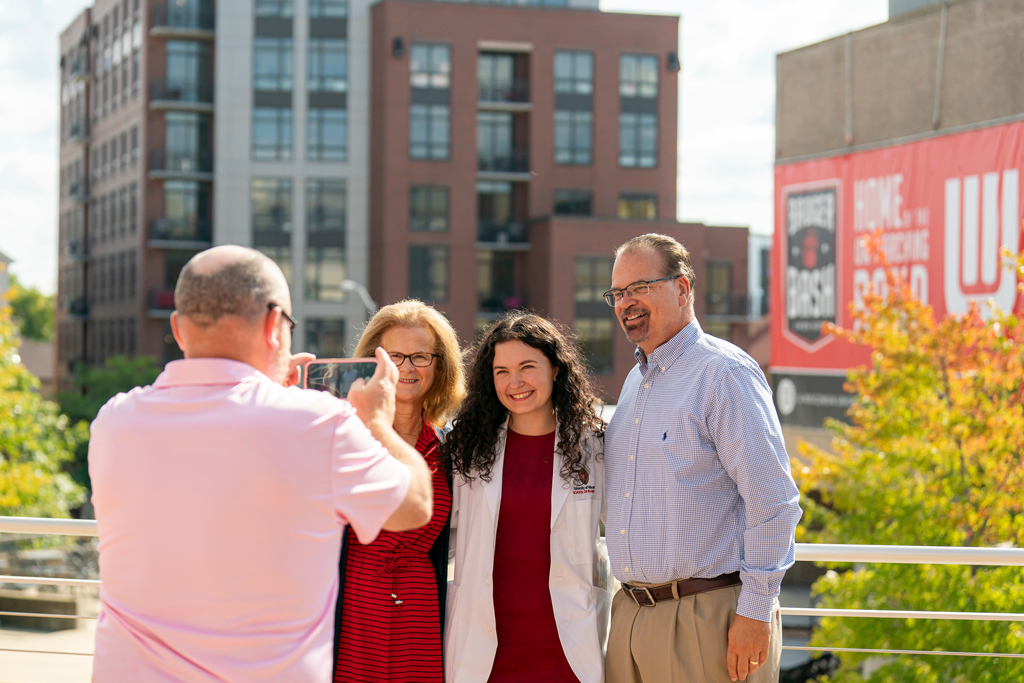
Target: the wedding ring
pixel 754 662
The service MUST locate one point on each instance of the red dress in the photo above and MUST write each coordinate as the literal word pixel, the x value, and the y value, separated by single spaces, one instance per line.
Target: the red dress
pixel 529 650
pixel 386 638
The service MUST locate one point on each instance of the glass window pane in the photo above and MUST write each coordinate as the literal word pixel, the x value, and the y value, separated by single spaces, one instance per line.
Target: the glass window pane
pixel 328 8
pixel 325 338
pixel 325 271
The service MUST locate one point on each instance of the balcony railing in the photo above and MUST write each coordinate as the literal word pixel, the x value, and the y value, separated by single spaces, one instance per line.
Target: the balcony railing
pixel 186 93
pixel 500 302
pixel 177 230
pixel 516 92
pixel 188 17
pixel 733 305
pixel 805 552
pixel 170 161
pixel 509 232
pixel 515 162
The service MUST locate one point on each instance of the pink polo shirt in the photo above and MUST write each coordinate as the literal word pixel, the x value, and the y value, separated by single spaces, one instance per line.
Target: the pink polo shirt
pixel 220 498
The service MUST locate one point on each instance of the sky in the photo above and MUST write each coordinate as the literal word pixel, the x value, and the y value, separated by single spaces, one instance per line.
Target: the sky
pixel 726 132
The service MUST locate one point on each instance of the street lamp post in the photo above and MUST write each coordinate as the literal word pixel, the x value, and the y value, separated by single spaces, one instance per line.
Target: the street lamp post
pixel 368 303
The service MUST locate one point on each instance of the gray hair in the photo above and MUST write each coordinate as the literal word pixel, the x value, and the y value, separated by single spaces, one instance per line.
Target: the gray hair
pixel 241 288
pixel 674 256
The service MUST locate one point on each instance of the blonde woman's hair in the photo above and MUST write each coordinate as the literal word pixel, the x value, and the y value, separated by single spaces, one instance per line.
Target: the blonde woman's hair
pixel 449 388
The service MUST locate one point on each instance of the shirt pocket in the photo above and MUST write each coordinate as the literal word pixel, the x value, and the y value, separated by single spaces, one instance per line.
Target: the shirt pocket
pixel 685 453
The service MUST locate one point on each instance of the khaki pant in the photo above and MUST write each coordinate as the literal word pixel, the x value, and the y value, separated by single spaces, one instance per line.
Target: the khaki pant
pixel 680 641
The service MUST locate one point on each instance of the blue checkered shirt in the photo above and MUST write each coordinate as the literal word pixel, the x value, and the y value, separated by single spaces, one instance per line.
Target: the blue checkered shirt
pixel 698 480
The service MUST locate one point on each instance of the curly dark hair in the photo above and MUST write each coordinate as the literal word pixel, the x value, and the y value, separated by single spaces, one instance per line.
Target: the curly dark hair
pixel 469 449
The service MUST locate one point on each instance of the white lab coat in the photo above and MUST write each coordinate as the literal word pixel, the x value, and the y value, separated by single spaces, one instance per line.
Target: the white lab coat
pixel 578 579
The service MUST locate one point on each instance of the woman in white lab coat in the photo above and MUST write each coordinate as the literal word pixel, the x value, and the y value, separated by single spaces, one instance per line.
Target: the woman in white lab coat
pixel 529 602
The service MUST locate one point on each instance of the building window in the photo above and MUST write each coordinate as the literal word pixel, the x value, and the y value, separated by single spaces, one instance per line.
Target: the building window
pixel 596 338
pixel 325 270
pixel 271 134
pixel 272 64
pixel 593 278
pixel 495 143
pixel 496 290
pixel 496 213
pixel 187 143
pixel 496 79
pixel 638 76
pixel 574 73
pixel 428 208
pixel 188 69
pixel 274 8
pixel 428 273
pixel 328 65
pixel 327 135
pixel 133 208
pixel 325 206
pixel 186 212
pixel 573 139
pixel 428 131
pixel 282 256
pixel 636 205
pixel 335 9
pixel 430 66
pixel 271 206
pixel 325 338
pixel 573 203
pixel 718 288
pixel 638 140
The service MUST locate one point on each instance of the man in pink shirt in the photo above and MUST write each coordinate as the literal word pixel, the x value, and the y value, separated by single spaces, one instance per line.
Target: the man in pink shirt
pixel 221 495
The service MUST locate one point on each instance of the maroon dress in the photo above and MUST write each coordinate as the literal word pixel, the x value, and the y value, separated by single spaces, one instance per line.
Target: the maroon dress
pixel 529 650
pixel 390 627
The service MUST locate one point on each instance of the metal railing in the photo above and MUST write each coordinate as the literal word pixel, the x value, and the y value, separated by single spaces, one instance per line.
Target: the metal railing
pixel 194 93
pixel 514 162
pixel 172 161
pixel 805 552
pixel 177 230
pixel 501 232
pixel 516 92
pixel 188 17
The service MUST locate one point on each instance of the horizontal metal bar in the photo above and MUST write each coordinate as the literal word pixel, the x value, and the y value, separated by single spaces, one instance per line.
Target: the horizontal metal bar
pixel 898 614
pixel 909 554
pixel 903 652
pixel 37 525
pixel 42 581
pixel 46 652
pixel 40 614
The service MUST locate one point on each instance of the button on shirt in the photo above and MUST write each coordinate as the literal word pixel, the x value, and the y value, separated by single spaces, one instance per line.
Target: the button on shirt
pixel 221 497
pixel 697 472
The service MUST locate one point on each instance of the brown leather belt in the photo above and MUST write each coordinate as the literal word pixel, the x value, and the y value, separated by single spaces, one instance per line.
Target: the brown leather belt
pixel 646 596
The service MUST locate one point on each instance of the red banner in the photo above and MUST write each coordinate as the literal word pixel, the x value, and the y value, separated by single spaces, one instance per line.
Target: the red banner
pixel 945 206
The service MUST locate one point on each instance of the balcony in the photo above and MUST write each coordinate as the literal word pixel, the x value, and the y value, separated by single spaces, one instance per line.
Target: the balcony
pixel 730 307
pixel 508 96
pixel 77 251
pixel 182 96
pixel 196 165
pixel 161 303
pixel 174 233
pixel 501 302
pixel 514 166
pixel 78 308
pixel 79 131
pixel 78 191
pixel 187 21
pixel 506 236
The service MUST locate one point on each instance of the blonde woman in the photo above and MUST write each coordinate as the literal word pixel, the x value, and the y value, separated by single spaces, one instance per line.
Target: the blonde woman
pixel 392 597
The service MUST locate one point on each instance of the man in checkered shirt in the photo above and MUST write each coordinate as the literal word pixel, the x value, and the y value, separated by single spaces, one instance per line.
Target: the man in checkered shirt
pixel 702 507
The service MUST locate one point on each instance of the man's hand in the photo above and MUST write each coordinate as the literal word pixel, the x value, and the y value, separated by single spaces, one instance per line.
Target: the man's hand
pixel 374 401
pixel 748 646
pixel 292 378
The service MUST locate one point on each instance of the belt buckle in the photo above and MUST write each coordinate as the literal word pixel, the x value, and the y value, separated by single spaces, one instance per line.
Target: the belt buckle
pixel 649 600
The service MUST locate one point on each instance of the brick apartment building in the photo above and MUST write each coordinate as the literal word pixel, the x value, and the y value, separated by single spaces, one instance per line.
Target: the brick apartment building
pixel 477 156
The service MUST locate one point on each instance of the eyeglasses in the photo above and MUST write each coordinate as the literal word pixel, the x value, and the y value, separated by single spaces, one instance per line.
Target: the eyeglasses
pixel 637 290
pixel 418 360
pixel 292 321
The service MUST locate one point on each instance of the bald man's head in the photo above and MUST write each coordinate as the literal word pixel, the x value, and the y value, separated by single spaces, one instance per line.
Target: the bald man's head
pixel 228 281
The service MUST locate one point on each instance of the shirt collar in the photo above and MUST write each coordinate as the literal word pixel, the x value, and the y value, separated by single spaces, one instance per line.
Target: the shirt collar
pixel 667 353
pixel 207 371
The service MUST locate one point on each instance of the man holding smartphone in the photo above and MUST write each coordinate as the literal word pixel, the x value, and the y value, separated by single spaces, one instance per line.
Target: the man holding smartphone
pixel 221 495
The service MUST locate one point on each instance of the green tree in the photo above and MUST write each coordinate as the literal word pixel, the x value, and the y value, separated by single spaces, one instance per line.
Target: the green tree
pixel 94 386
pixel 33 311
pixel 36 441
pixel 934 456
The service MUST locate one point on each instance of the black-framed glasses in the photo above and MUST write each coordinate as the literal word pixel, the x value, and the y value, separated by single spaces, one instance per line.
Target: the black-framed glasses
pixel 637 290
pixel 418 360
pixel 292 321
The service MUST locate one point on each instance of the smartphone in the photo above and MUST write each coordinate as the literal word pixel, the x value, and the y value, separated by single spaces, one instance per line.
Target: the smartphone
pixel 336 375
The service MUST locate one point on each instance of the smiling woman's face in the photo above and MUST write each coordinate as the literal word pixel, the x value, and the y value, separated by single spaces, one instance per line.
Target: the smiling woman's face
pixel 413 382
pixel 523 378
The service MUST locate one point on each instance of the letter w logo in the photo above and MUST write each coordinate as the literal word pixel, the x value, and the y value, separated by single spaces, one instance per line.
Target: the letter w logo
pixel 973 213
